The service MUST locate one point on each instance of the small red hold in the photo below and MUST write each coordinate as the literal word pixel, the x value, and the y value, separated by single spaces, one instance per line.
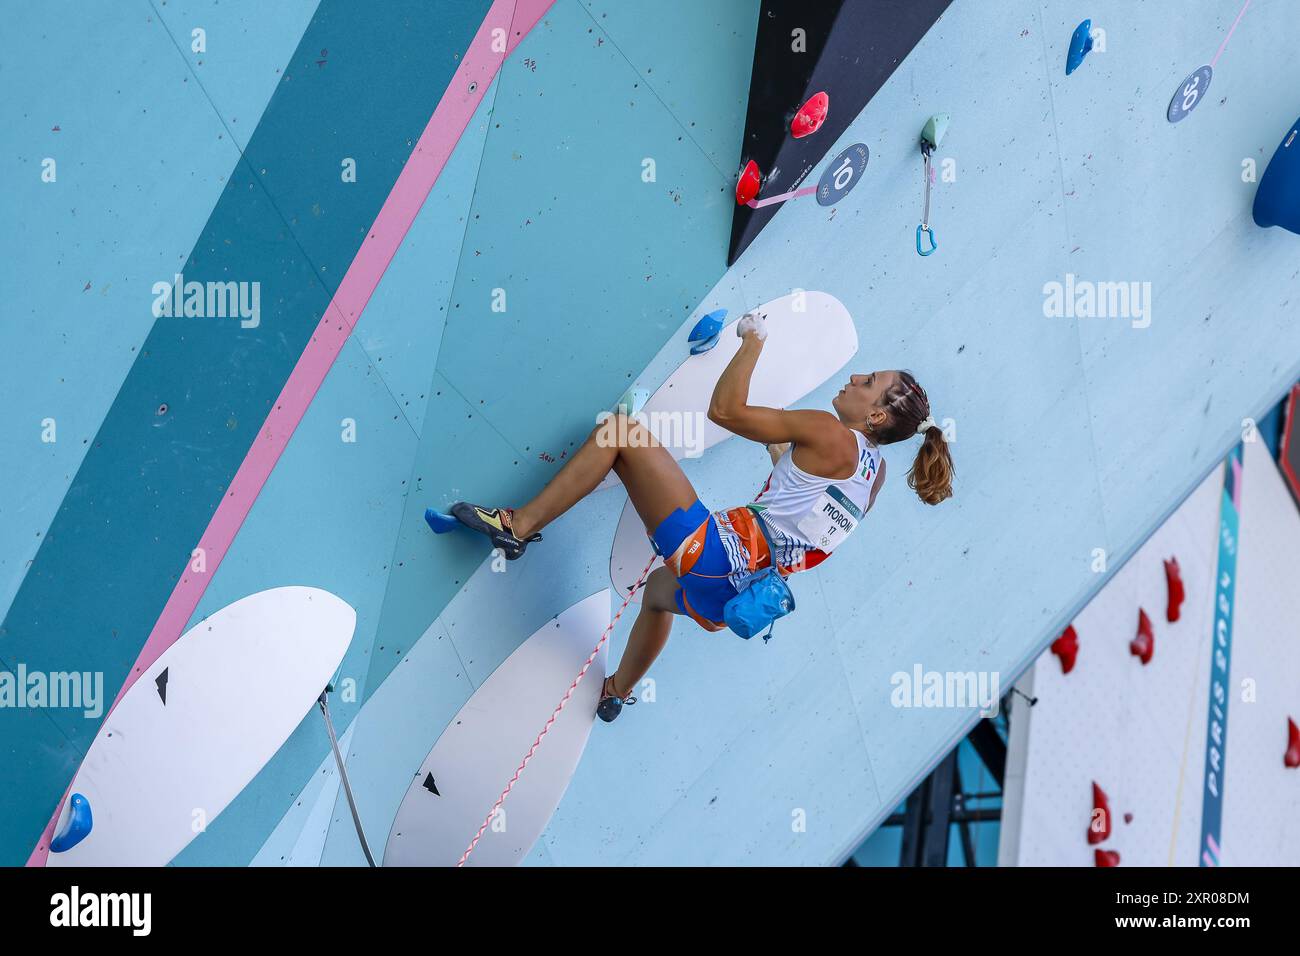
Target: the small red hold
pixel 1106 857
pixel 1099 826
pixel 748 185
pixel 810 117
pixel 1066 647
pixel 1144 645
pixel 1128 818
pixel 1174 579
pixel 1292 758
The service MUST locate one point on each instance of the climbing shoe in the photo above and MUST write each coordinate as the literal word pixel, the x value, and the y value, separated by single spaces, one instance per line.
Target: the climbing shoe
pixel 611 704
pixel 495 523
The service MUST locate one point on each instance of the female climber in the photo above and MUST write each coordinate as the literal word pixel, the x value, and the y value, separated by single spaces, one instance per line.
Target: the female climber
pixel 824 464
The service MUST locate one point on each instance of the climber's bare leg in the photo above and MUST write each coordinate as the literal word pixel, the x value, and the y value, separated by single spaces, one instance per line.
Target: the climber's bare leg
pixel 654 481
pixel 649 633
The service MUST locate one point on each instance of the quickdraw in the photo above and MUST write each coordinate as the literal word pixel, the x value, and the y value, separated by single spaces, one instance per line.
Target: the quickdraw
pixel 931 136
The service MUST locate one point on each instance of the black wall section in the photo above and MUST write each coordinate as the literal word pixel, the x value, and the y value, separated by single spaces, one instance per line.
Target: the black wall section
pixel 851 48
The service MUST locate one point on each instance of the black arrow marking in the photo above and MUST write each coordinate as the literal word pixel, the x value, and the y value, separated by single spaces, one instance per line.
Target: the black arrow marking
pixel 431 786
pixel 161 683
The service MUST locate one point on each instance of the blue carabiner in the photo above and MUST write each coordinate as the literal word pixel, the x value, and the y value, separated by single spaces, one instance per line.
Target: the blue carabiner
pixel 923 230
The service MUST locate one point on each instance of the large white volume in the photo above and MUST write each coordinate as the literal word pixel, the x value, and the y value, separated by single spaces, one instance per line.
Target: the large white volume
pixel 475 757
pixel 203 720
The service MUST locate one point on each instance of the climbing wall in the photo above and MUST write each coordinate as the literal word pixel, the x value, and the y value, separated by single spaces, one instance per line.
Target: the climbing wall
pixel 802 51
pixel 1261 795
pixel 1136 730
pixel 532 229
pixel 1139 731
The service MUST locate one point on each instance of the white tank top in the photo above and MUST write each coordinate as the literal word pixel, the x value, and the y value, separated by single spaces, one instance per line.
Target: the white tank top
pixel 809 516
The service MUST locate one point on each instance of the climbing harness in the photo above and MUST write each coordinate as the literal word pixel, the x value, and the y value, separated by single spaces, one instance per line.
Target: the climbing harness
pixel 546 728
pixel 343 773
pixel 931 136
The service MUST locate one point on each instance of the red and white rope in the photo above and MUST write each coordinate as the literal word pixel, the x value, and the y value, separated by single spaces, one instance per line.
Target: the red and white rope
pixel 554 714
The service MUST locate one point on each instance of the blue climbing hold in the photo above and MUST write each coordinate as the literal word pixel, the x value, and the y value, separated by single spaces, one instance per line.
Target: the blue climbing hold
pixel 1080 46
pixel 1277 203
pixel 705 334
pixel 439 522
pixel 76 828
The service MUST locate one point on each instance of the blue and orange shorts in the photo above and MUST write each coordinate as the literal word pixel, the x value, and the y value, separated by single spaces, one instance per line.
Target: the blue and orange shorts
pixel 693 550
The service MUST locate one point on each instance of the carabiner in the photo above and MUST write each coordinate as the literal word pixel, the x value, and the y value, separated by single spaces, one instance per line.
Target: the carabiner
pixel 924 230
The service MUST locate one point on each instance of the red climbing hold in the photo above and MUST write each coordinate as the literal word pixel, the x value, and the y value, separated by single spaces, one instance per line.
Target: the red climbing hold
pixel 1106 857
pixel 1292 758
pixel 1099 827
pixel 1174 579
pixel 749 183
pixel 810 117
pixel 1066 647
pixel 1144 645
pixel 1128 818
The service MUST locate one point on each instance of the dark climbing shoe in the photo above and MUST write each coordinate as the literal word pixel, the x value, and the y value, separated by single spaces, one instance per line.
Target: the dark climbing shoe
pixel 495 523
pixel 611 705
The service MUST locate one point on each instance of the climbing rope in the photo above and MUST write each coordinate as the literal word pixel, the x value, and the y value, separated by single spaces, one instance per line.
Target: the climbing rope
pixel 1233 29
pixel 554 714
pixel 343 773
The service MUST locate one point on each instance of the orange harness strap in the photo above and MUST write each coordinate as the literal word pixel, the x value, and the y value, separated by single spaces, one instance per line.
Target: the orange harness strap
pixel 680 563
pixel 745 524
pixel 688 552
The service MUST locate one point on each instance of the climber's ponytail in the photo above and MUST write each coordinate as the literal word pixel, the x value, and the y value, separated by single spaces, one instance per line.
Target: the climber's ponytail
pixel 932 472
pixel 907 408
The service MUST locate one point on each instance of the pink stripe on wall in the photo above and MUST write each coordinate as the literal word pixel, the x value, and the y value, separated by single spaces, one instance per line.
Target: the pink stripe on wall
pixel 478 68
